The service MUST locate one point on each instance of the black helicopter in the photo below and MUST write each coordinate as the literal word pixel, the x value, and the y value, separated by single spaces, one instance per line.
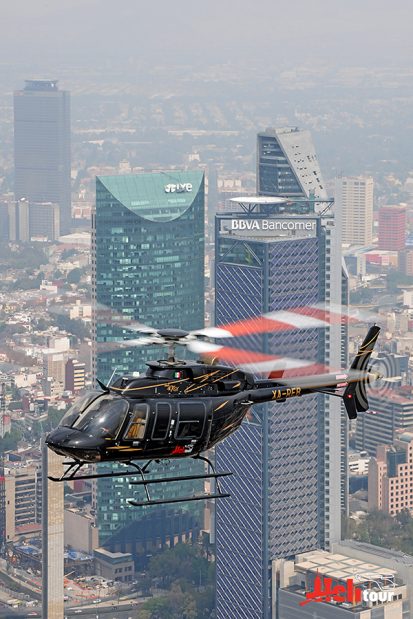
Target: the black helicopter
pixel 180 409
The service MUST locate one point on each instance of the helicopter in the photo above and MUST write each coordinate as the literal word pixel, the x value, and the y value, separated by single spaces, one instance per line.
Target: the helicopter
pixel 183 408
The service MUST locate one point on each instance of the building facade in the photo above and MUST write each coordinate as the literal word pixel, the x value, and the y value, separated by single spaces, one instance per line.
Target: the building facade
pixel 287 164
pixel 391 475
pixel 392 227
pixel 392 409
pixel 384 594
pixel 23 497
pixel 54 368
pixel 42 146
pixel 148 266
pixel 291 463
pixel 354 198
pixel 75 375
pixel 52 536
pixel 286 491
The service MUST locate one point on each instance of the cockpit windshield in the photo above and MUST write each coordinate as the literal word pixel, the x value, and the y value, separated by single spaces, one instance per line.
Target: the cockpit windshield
pixel 103 417
pixel 78 407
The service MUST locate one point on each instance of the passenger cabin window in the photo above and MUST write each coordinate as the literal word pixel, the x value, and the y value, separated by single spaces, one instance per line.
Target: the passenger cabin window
pixel 191 419
pixel 161 427
pixel 136 428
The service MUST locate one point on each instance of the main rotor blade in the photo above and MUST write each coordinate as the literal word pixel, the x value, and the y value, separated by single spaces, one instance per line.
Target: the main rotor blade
pixel 115 345
pixel 110 316
pixel 247 359
pixel 317 316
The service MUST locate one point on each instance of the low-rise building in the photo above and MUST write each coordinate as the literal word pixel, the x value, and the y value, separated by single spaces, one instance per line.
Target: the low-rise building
pixel 325 585
pixel 80 531
pixel 114 565
pixel 391 475
pixel 358 463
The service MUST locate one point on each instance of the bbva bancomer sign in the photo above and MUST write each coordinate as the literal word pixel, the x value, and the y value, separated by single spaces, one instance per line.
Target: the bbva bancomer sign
pixel 272 224
pixel 178 188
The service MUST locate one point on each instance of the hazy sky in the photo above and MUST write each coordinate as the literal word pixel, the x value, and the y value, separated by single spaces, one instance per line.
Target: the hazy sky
pixel 341 32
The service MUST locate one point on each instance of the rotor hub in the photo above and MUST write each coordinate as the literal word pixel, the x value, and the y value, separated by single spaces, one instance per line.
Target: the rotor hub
pixel 173 335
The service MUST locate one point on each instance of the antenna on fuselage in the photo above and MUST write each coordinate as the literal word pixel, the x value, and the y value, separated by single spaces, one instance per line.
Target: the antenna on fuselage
pixel 111 378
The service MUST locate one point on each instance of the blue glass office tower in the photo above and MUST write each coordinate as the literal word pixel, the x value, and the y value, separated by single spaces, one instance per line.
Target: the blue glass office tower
pixel 148 266
pixel 285 494
pixel 42 147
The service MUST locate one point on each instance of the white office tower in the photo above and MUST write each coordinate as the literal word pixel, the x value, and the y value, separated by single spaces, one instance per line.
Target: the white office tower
pixel 354 200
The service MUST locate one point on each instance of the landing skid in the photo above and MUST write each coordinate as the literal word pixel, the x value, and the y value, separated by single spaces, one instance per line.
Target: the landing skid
pixel 73 468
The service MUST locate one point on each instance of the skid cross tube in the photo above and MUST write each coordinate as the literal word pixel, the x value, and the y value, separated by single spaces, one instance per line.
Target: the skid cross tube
pixel 199 497
pixel 70 474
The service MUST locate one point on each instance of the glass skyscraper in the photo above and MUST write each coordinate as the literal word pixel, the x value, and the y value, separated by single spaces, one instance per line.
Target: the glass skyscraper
pixel 148 266
pixel 42 146
pixel 287 164
pixel 286 491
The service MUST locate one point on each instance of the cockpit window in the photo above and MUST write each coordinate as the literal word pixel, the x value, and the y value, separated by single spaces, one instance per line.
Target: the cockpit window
pixel 78 407
pixel 103 417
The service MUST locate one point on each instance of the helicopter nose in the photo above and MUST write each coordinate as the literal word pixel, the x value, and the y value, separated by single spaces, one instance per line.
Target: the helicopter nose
pixel 74 443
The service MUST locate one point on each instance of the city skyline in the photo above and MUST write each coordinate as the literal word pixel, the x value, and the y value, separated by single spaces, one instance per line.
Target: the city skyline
pixel 130 134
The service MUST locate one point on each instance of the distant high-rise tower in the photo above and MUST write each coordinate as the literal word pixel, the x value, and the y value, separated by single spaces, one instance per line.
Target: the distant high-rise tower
pixel 354 199
pixel 287 164
pixel 42 146
pixel 148 266
pixel 392 227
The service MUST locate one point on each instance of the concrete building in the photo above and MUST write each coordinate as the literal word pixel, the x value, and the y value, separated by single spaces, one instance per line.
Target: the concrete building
pixel 391 475
pixel 9 222
pixel 54 367
pixel 400 562
pixel 80 531
pixel 287 164
pixel 81 310
pixel 392 227
pixel 75 375
pixel 23 497
pixel 358 463
pixel 52 536
pixel 391 410
pixel 354 198
pixel 114 565
pixel 44 221
pixel 42 146
pixel 19 221
pixel 383 592
pixel 58 343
